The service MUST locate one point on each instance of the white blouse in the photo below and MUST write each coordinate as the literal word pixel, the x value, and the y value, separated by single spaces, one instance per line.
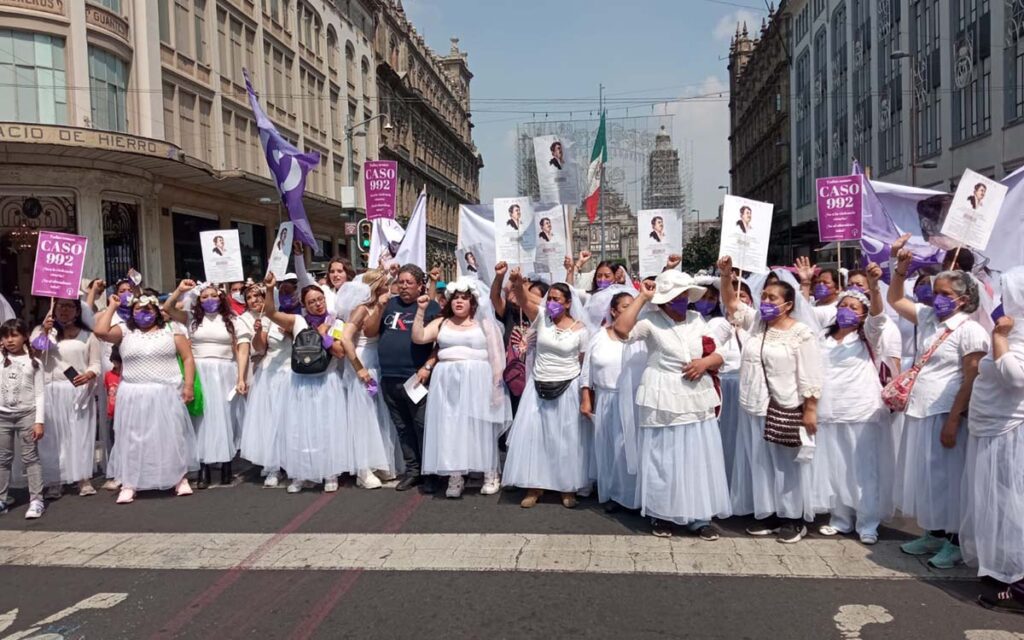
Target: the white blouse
pixel 212 340
pixel 558 350
pixel 664 397
pixel 726 343
pixel 851 391
pixel 791 359
pixel 279 347
pixel 602 364
pixel 997 397
pixel 81 352
pixel 21 388
pixel 939 381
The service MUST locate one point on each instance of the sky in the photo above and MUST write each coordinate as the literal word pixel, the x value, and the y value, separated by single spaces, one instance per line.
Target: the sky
pixel 648 52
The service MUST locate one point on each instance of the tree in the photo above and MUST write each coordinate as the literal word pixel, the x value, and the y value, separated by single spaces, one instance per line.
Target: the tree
pixel 701 252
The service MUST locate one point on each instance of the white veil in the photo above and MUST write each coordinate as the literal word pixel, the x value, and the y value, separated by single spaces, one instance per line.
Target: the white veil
pixel 494 336
pixel 351 295
pixel 1012 283
pixel 802 311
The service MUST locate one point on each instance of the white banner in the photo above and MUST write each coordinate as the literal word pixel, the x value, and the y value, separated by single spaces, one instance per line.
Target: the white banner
pixel 552 241
pixel 476 237
pixel 278 263
pixel 974 210
pixel 660 234
pixel 557 174
pixel 222 255
pixel 746 232
pixel 515 230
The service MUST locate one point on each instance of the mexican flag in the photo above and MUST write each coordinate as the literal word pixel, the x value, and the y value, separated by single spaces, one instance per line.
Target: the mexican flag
pixel 597 159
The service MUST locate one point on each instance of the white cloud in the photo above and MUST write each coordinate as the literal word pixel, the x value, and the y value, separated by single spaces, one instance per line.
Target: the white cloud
pixel 726 27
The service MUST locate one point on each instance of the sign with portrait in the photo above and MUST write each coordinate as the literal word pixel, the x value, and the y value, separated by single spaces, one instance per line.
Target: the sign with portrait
pixel 974 210
pixel 222 255
pixel 746 232
pixel 278 263
pixel 515 230
pixel 659 235
pixel 557 174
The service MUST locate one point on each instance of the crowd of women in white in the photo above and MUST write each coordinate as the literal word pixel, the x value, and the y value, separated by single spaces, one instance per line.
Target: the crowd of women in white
pixel 686 398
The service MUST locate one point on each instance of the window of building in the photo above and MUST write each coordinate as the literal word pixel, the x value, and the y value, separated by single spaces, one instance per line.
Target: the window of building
pixel 108 84
pixel 890 90
pixel 926 77
pixel 120 238
pixel 820 99
pixel 840 91
pixel 1013 55
pixel 332 49
pixel 971 39
pixel 862 92
pixel 187 120
pixel 366 77
pixel 199 22
pixel 252 240
pixel 350 63
pixel 34 78
pixel 170 113
pixel 803 128
pixel 278 79
pixel 183 27
pixel 236 42
pixel 113 5
pixel 164 19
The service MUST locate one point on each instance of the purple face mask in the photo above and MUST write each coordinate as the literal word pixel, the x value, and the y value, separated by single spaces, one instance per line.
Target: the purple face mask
pixel 847 318
pixel 125 299
pixel 924 294
pixel 705 307
pixel 288 301
pixel 210 305
pixel 769 311
pixel 821 291
pixel 998 312
pixel 679 306
pixel 144 318
pixel 603 284
pixel 944 306
pixel 554 309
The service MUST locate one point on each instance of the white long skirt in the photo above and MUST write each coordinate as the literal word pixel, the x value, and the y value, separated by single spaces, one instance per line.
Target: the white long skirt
pixel 370 437
pixel 749 443
pixel 268 405
pixel 312 429
pixel 68 452
pixel 781 485
pixel 614 480
pixel 548 446
pixel 155 444
pixel 928 475
pixel 729 419
pixel 219 429
pixel 992 529
pixel 855 461
pixel 465 414
pixel 683 473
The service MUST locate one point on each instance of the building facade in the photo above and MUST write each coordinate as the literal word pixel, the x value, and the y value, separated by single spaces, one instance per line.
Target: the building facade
pixel 128 123
pixel 759 132
pixel 426 99
pixel 916 90
pixel 620 230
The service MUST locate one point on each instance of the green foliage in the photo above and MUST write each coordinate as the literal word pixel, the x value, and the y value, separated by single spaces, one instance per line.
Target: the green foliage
pixel 701 252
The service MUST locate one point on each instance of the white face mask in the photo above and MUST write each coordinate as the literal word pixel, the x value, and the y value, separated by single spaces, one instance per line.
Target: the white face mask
pixel 238 297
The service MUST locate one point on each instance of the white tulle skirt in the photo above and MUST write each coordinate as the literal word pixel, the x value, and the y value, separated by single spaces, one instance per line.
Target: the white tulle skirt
pixel 614 480
pixel 928 475
pixel 313 428
pixel 68 451
pixel 219 429
pixel 780 485
pixel 992 529
pixel 729 419
pixel 682 473
pixel 154 442
pixel 855 462
pixel 749 442
pixel 465 414
pixel 370 439
pixel 549 447
pixel 268 405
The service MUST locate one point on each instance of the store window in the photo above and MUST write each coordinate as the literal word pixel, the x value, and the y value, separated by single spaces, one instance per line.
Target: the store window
pixel 113 5
pixel 33 77
pixel 120 239
pixel 188 255
pixel 252 239
pixel 108 85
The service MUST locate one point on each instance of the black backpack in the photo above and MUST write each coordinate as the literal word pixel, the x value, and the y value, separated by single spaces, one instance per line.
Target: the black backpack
pixel 308 353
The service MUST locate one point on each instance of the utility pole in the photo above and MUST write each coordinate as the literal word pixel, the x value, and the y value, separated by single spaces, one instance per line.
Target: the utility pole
pixel 600 193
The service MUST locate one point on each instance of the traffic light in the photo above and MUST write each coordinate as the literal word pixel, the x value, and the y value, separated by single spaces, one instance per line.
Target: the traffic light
pixel 364 232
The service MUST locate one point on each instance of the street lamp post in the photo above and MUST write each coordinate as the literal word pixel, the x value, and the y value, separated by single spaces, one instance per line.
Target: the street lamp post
pixel 353 174
pixel 724 186
pixel 697 211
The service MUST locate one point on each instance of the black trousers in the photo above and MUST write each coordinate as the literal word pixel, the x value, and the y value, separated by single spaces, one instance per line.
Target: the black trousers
pixel 408 418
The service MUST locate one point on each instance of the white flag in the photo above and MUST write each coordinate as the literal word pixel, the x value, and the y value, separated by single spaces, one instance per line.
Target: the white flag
pixel 413 249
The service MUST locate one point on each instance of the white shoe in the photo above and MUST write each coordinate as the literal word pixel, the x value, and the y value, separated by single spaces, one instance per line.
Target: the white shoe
pixel 869 538
pixel 295 486
pixel 111 485
pixel 828 530
pixel 366 479
pixel 585 492
pixel 85 488
pixel 492 484
pixel 456 484
pixel 35 510
pixel 331 485
pixel 271 481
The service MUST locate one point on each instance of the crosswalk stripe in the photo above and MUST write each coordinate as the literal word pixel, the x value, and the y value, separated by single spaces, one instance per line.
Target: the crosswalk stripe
pixel 609 554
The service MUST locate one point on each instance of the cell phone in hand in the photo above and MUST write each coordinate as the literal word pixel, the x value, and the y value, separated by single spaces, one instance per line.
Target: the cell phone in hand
pixel 71 373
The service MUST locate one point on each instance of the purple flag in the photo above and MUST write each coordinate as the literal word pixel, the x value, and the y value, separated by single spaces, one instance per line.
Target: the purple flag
pixel 288 166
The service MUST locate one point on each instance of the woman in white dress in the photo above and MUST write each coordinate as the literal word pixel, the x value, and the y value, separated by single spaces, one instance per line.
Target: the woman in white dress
pixel 615 448
pixel 71 364
pixel 268 404
pixel 854 456
pixel 467 404
pixel 932 453
pixel 372 437
pixel 549 448
pixel 220 346
pixel 992 527
pixel 780 372
pixel 313 430
pixel 155 446
pixel 682 470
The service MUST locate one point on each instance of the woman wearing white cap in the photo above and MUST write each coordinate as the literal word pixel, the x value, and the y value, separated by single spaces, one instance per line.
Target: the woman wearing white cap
pixel 548 448
pixel 780 383
pixel 854 457
pixel 467 405
pixel 682 471
pixel 992 529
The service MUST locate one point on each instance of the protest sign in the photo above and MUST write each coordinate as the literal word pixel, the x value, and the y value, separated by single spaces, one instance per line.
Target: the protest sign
pixel 222 256
pixel 660 234
pixel 840 208
pixel 746 232
pixel 380 186
pixel 60 258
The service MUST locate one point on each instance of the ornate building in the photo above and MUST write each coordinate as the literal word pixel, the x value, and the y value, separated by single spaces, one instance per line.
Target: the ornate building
pixel 127 122
pixel 426 98
pixel 759 81
pixel 663 188
pixel 620 237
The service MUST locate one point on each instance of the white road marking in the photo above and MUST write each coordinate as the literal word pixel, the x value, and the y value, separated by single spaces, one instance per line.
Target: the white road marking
pixel 992 634
pixel 854 617
pixel 610 554
pixel 7 619
pixel 98 601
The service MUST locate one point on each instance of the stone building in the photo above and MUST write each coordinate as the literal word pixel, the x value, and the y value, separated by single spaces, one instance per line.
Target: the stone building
pixel 620 235
pixel 426 99
pixel 759 107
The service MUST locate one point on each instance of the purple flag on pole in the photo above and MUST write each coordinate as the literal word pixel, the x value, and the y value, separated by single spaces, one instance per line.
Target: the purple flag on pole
pixel 288 166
